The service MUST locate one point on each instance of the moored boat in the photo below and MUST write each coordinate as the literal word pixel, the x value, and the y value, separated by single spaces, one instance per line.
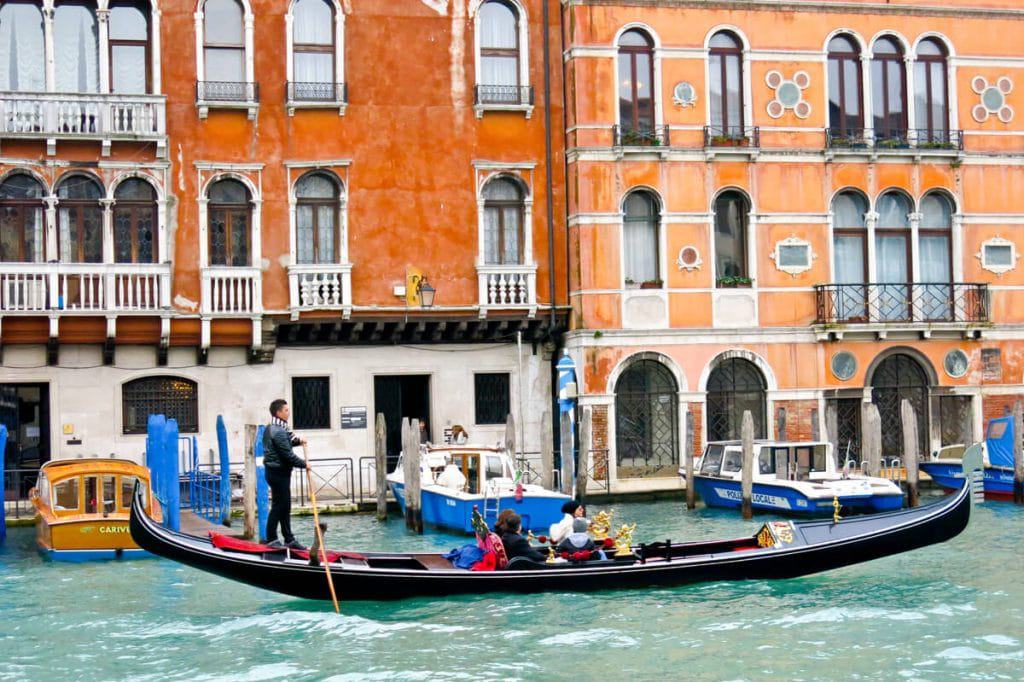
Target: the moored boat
pixel 997 454
pixel 781 549
pixel 457 478
pixel 799 478
pixel 82 508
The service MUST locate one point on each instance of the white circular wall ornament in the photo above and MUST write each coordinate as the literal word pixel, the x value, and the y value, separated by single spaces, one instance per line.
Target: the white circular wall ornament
pixel 689 259
pixel 993 99
pixel 684 94
pixel 844 365
pixel 956 363
pixel 789 94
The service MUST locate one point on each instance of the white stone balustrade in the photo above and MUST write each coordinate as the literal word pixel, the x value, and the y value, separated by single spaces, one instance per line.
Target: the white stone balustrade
pixel 507 286
pixel 320 287
pixel 84 287
pixel 232 291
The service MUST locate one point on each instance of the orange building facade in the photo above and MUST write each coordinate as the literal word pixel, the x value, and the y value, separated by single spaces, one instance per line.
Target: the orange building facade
pixel 348 203
pixel 794 209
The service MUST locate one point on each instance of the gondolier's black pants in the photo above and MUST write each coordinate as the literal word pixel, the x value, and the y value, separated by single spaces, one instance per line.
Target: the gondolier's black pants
pixel 280 483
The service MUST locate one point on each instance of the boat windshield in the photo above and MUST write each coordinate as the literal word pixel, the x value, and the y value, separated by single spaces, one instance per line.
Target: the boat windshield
pixel 128 489
pixel 712 459
pixel 733 461
pixel 469 463
pixel 65 496
pixel 495 468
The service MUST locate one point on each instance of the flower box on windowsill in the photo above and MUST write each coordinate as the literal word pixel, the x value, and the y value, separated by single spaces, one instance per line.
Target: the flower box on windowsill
pixel 734 282
pixel 651 284
pixel 727 141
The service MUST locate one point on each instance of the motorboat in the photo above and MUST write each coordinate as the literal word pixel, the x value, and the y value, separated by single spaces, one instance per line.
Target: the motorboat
pixel 456 478
pixel 997 453
pixel 798 478
pixel 82 508
pixel 778 550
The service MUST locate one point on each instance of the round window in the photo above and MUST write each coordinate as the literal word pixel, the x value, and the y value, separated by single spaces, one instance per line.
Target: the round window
pixel 844 365
pixel 956 363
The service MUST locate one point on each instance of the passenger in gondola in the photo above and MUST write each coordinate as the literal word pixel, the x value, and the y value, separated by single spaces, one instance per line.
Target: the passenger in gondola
pixel 571 510
pixel 501 525
pixel 515 544
pixel 577 541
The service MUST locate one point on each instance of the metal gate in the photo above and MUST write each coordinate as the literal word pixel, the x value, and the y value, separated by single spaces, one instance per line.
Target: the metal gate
pixel 735 386
pixel 848 412
pixel 898 378
pixel 956 414
pixel 646 421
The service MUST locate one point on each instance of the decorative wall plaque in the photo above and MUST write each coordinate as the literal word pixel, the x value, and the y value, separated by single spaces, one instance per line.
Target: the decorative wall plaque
pixel 684 94
pixel 998 255
pixel 956 363
pixel 793 255
pixel 993 99
pixel 789 94
pixel 689 259
pixel 844 365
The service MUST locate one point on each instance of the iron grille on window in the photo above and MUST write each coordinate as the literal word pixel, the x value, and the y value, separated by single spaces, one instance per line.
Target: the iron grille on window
pixel 646 421
pixel 174 397
pixel 311 398
pixel 734 387
pixel 492 398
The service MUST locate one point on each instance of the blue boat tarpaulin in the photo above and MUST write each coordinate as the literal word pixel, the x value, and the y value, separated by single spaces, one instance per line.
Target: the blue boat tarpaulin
pixel 999 442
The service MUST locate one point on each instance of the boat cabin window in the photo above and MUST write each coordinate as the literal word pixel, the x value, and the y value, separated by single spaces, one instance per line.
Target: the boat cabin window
pixel 92 500
pixel 109 504
pixel 733 461
pixel 996 429
pixel 469 463
pixel 712 460
pixel 766 463
pixel 128 489
pixel 65 496
pixel 494 468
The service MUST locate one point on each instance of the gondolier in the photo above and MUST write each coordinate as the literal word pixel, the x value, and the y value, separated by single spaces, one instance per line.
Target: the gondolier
pixel 278 461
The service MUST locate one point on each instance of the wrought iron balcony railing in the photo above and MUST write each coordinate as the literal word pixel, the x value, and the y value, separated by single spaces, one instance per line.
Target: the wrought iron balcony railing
pixel 850 138
pixel 299 91
pixel 227 91
pixel 732 136
pixel 509 95
pixel 937 139
pixel 628 136
pixel 914 139
pixel 952 302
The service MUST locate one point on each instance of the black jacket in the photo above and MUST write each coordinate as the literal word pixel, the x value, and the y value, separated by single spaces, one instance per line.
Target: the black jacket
pixel 277 449
pixel 517 545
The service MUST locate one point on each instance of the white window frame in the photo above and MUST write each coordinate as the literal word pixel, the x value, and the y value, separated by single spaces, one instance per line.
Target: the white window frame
pixel 523 28
pixel 339 61
pixel 251 106
pixel 998 269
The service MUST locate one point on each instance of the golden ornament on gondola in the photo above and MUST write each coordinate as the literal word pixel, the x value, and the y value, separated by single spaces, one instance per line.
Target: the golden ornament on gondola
pixel 601 525
pixel 624 540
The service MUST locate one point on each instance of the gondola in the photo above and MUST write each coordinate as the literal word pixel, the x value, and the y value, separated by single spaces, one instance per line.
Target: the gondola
pixel 781 549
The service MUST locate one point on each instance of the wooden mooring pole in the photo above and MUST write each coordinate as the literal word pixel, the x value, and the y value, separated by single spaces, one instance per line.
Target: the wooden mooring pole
pixel 380 453
pixel 1018 454
pixel 565 450
pixel 249 491
pixel 583 462
pixel 547 452
pixel 910 451
pixel 747 484
pixel 411 470
pixel 871 440
pixel 691 494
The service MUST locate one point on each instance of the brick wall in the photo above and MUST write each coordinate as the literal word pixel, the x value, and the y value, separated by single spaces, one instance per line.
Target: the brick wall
pixel 599 435
pixel 697 436
pixel 799 418
pixel 993 406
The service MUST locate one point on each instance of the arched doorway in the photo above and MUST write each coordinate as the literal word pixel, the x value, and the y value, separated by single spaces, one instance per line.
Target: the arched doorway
pixel 734 386
pixel 896 378
pixel 646 421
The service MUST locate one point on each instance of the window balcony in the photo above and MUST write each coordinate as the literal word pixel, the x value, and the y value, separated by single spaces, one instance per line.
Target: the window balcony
pixel 953 304
pixel 70 116
pixel 503 98
pixel 232 291
pixel 642 137
pixel 316 95
pixel 503 287
pixel 227 95
pixel 915 142
pixel 320 287
pixel 727 138
pixel 85 287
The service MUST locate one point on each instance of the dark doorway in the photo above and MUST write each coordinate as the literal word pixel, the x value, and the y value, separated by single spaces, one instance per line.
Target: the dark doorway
pixel 398 397
pixel 734 387
pixel 646 421
pixel 847 438
pixel 25 411
pixel 898 378
pixel 957 418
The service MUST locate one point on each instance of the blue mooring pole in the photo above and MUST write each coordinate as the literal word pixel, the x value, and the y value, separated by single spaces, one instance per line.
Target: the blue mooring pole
pixel 262 490
pixel 225 472
pixel 3 481
pixel 171 476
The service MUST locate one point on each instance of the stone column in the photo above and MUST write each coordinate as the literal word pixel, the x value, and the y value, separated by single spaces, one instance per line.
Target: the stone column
pixel 103 19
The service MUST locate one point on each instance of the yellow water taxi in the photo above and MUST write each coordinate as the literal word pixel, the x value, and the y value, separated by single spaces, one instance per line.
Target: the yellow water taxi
pixel 82 508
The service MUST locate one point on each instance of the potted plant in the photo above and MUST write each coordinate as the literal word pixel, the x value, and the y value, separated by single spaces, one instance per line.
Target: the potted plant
pixel 651 284
pixel 630 283
pixel 893 143
pixel 733 282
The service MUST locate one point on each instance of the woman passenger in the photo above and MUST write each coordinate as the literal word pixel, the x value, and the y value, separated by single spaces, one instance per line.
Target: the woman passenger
pixel 573 509
pixel 515 543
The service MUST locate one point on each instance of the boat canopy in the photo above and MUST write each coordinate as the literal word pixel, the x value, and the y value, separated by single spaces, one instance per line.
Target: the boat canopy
pixel 792 461
pixel 93 486
pixel 999 442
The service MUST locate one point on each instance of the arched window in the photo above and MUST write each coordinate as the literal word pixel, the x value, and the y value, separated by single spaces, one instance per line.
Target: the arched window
pixel 889 90
pixel 76 62
pixel 22 51
pixel 174 397
pixel 935 257
pixel 646 421
pixel 21 220
pixel 80 220
pixel 135 222
pixel 735 386
pixel 316 219
pixel 725 74
pixel 224 48
pixel 931 93
pixel 129 47
pixel 229 223
pixel 640 237
pixel 503 222
pixel 731 216
pixel 892 256
pixel 845 110
pixel 850 254
pixel 897 378
pixel 313 51
pixel 498 23
pixel 636 83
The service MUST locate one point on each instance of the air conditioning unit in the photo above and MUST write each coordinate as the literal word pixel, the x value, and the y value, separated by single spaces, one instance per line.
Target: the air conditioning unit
pixel 23 294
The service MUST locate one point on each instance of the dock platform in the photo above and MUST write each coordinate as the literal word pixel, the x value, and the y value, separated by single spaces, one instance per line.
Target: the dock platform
pixel 193 524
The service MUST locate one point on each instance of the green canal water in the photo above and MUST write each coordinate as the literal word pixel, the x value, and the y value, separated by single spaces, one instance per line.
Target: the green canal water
pixel 954 611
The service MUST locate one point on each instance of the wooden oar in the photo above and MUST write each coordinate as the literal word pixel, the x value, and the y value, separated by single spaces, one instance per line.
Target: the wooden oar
pixel 319 533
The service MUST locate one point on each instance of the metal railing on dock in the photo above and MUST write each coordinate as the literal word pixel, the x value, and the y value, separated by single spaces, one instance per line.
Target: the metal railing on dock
pixel 17 483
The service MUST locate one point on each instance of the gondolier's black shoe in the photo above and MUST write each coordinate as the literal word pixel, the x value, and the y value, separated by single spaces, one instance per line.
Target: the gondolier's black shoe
pixel 295 544
pixel 275 544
